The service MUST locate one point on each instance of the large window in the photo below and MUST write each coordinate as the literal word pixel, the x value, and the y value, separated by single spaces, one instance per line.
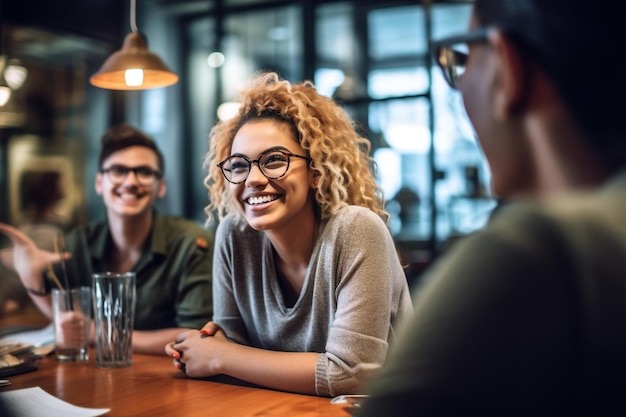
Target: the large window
pixel 374 60
pixel 388 84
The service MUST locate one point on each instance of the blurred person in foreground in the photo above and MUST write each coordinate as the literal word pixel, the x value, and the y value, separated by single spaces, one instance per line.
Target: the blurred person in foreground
pixel 308 287
pixel 528 317
pixel 171 256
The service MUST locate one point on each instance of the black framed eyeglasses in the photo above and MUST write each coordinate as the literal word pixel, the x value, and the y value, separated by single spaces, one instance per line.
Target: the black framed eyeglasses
pixel 451 53
pixel 144 174
pixel 273 163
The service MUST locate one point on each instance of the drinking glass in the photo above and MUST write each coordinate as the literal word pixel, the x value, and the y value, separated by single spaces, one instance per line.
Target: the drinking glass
pixel 114 298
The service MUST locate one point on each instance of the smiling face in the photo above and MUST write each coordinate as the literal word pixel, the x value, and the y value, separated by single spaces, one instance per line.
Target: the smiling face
pixel 129 198
pixel 280 204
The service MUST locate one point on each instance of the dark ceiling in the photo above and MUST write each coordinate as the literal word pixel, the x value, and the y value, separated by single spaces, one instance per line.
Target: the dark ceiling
pixel 98 19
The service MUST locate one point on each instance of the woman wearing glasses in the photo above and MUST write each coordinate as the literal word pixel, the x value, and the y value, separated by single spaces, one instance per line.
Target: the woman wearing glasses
pixel 308 288
pixel 172 257
pixel 528 317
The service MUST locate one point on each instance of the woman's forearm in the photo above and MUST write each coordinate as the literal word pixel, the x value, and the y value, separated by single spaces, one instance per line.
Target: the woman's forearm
pixel 286 371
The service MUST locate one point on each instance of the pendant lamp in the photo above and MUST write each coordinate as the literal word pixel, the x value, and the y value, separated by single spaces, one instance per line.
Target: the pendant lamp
pixel 133 67
pixel 12 73
pixel 5 91
pixel 12 76
pixel 5 94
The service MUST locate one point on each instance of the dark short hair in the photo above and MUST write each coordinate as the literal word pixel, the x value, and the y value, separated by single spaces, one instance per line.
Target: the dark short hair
pixel 123 136
pixel 578 43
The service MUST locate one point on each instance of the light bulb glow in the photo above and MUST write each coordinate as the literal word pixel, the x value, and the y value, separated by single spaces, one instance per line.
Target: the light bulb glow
pixel 133 77
pixel 227 110
pixel 216 59
pixel 15 75
pixel 5 95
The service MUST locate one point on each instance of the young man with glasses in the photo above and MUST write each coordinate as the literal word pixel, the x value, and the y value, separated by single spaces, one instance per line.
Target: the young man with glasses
pixel 172 257
pixel 528 317
pixel 308 287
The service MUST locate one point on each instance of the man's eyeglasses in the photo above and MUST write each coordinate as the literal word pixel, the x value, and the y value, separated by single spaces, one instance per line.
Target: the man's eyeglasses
pixel 144 174
pixel 272 162
pixel 451 53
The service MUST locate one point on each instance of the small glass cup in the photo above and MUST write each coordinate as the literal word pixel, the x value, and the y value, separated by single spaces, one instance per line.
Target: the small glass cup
pixel 71 315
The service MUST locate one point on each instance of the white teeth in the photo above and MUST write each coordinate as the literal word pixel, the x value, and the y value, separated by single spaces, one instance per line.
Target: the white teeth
pixel 128 196
pixel 262 199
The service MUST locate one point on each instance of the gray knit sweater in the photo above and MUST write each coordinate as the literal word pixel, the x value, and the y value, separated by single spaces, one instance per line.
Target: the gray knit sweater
pixel 354 293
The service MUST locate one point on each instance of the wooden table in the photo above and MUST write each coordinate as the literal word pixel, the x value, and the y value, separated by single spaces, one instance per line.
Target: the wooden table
pixel 151 386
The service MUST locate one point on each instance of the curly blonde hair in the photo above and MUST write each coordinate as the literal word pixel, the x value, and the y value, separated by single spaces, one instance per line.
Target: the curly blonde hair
pixel 323 129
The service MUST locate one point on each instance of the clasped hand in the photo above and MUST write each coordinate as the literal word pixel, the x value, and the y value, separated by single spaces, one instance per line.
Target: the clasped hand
pixel 199 353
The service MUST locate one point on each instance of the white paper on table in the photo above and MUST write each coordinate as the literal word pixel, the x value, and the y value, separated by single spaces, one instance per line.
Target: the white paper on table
pixel 36 338
pixel 35 402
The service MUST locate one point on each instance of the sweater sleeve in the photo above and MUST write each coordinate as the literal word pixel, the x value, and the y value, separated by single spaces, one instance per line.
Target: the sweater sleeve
pixel 371 294
pixel 226 312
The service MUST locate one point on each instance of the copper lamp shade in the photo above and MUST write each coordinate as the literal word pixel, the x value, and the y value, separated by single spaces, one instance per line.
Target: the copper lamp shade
pixel 134 55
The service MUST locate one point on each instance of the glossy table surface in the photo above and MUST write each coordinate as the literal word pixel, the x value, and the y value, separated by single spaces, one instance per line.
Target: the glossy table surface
pixel 151 386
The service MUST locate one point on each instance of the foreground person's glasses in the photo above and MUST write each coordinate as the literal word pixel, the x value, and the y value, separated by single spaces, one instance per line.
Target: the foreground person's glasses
pixel 451 53
pixel 118 173
pixel 273 164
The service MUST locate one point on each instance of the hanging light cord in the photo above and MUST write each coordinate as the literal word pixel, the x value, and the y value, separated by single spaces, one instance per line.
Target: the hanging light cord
pixel 133 17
